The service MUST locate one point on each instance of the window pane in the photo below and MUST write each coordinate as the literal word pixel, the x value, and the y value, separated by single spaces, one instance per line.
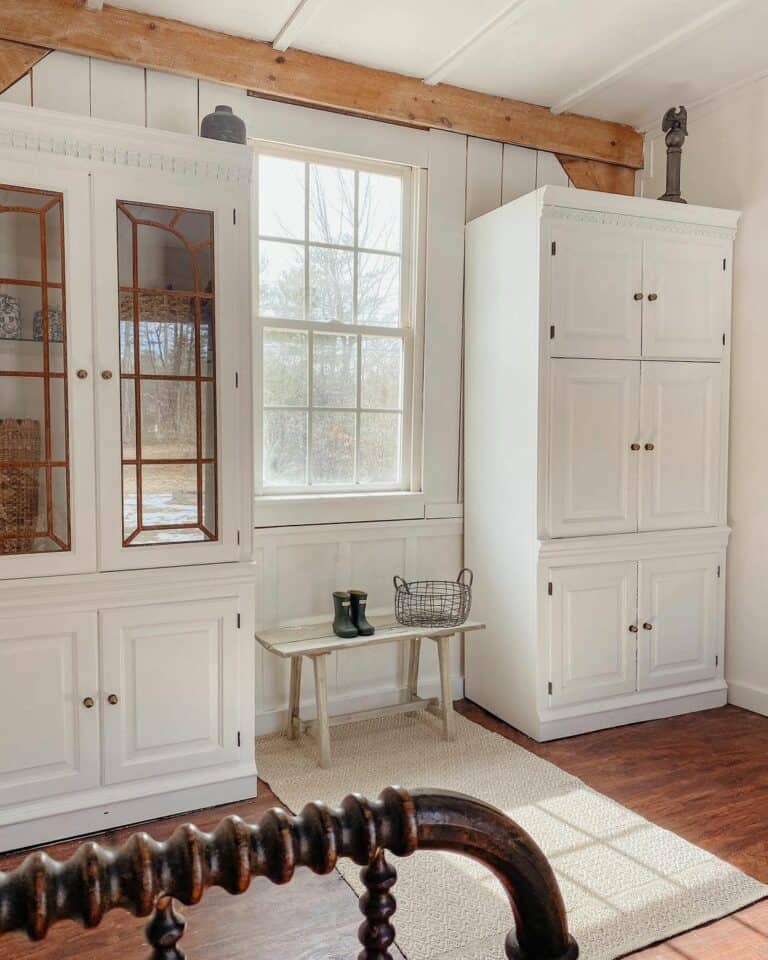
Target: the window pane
pixel 333 447
pixel 330 284
pixel 331 204
pixel 281 197
pixel 334 370
pixel 285 368
pixel 378 290
pixel 166 334
pixel 381 380
pixel 285 448
pixel 168 420
pixel 379 448
pixel 379 216
pixel 281 280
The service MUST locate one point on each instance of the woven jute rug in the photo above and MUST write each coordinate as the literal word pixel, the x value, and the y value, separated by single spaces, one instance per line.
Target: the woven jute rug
pixel 626 882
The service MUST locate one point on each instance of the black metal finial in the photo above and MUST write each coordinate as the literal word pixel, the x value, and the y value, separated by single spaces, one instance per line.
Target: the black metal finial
pixel 675 125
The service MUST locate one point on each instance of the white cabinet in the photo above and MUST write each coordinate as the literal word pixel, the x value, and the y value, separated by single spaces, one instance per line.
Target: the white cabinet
pixel 169 685
pixel 679 606
pixel 595 458
pixel 620 291
pixel 594 419
pixel 593 281
pixel 49 706
pixel 682 455
pixel 593 631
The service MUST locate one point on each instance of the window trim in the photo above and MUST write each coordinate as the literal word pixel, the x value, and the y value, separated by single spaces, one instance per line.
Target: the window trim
pixel 327 503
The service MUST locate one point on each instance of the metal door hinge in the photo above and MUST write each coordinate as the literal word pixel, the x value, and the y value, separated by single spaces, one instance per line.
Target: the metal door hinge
pixel 238 621
pixel 238 738
pixel 723 263
pixel 552 332
pixel 554 247
pixel 723 339
pixel 549 688
pixel 717 660
pixel 234 216
pixel 718 571
pixel 237 380
pixel 238 538
pixel 549 589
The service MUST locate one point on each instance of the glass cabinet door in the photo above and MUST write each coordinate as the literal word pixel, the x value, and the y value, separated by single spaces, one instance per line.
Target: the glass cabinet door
pixel 35 510
pixel 166 321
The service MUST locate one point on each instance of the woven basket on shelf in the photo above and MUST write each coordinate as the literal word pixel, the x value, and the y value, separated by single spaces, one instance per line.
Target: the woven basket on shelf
pixel 19 486
pixel 158 306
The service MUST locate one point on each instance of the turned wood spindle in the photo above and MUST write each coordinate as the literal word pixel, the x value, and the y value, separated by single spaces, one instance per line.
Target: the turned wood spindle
pixel 377 904
pixel 164 930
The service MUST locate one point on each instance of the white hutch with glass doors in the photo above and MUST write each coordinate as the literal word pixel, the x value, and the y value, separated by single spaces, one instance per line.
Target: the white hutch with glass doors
pixel 126 607
pixel 597 385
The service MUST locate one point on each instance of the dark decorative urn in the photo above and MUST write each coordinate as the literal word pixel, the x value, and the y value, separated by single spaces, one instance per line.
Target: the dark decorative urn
pixel 222 124
pixel 675 125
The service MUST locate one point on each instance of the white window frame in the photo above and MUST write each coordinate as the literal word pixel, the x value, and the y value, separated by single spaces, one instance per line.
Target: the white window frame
pixel 359 502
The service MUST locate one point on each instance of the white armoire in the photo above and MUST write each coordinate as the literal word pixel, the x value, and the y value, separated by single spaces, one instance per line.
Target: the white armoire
pixel 597 381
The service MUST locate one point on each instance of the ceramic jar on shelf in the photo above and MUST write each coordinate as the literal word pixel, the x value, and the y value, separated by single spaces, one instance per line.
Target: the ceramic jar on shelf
pixel 10 317
pixel 55 325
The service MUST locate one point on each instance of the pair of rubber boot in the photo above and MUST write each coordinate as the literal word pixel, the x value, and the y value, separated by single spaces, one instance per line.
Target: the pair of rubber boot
pixel 349 614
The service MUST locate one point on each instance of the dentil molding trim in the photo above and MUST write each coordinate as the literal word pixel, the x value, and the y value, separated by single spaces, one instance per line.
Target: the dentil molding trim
pixel 631 222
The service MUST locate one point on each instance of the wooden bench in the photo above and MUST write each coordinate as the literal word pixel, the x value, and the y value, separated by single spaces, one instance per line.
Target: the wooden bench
pixel 318 642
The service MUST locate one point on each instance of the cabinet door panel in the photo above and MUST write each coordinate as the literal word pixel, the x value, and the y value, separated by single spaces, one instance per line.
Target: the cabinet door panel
pixel 173 668
pixel 49 740
pixel 680 479
pixel 594 418
pixel 679 601
pixel 690 313
pixel 594 275
pixel 591 647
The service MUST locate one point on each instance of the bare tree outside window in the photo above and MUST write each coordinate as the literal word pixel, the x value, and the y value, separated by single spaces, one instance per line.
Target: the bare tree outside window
pixel 336 343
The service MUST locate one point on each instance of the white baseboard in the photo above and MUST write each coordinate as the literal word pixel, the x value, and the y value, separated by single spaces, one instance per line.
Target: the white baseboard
pixel 750 698
pixel 275 720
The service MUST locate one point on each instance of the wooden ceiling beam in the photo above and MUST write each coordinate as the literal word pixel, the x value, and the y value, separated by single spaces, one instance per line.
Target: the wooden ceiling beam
pixel 16 59
pixel 126 36
pixel 593 175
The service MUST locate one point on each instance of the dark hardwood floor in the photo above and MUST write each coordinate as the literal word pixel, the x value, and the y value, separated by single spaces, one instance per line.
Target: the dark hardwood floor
pixel 703 776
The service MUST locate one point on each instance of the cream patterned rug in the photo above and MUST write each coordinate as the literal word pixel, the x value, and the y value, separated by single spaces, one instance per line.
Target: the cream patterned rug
pixel 626 882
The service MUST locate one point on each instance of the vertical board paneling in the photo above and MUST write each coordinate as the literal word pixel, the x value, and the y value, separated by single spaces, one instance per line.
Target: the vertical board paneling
pixel 549 171
pixel 118 92
pixel 484 171
pixel 20 92
pixel 519 173
pixel 444 307
pixel 171 102
pixel 62 81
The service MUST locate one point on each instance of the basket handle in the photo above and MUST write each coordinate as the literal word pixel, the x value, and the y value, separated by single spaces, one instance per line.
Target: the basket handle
pixel 460 578
pixel 400 584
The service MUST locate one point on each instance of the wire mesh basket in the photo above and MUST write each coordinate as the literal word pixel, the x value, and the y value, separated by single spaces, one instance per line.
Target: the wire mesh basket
pixel 434 603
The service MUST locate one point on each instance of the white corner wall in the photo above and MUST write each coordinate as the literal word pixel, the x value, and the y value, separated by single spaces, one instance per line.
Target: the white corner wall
pixel 725 164
pixel 296 568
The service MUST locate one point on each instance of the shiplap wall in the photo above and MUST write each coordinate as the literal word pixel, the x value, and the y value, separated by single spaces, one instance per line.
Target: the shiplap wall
pixel 295 569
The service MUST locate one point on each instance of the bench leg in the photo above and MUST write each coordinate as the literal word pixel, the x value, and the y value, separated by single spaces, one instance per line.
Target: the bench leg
pixel 446 694
pixel 321 697
pixel 414 651
pixel 294 698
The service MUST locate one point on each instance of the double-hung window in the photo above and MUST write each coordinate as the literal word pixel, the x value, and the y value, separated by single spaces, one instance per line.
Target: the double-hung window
pixel 336 324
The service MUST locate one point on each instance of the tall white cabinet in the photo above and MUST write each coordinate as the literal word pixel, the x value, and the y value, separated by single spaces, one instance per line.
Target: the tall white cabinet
pixel 596 439
pixel 126 587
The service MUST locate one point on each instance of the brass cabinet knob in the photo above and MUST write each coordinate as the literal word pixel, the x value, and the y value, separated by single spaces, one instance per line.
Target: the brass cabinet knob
pixel 653 296
pixel 89 702
pixel 112 698
pixel 106 374
pixel 647 626
pixel 637 296
pixel 650 446
pixel 634 446
pixel 633 628
pixel 82 374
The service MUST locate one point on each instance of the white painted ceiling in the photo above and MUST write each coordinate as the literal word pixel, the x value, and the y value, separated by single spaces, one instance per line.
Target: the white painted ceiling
pixel 625 60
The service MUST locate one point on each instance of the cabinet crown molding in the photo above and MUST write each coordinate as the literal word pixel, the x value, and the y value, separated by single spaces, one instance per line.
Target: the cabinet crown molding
pixel 121 145
pixel 628 222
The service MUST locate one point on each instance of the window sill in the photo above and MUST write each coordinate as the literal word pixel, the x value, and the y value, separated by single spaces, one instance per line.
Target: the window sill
pixel 305 510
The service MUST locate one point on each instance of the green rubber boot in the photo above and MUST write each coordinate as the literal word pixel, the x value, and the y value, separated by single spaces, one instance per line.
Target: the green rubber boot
pixel 342 623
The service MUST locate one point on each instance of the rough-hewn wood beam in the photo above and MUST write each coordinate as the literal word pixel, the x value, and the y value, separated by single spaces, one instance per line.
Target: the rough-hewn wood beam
pixel 593 175
pixel 129 37
pixel 16 59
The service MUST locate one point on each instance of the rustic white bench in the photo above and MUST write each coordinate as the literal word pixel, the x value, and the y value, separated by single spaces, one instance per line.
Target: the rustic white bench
pixel 318 642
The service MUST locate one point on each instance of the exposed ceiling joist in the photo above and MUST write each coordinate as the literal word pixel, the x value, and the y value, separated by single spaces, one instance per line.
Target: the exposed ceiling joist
pixel 16 59
pixel 511 12
pixel 304 10
pixel 632 63
pixel 126 36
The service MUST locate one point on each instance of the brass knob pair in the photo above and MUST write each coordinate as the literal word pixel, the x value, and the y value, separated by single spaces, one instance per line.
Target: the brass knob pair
pixel 646 626
pixel 636 446
pixel 83 374
pixel 89 702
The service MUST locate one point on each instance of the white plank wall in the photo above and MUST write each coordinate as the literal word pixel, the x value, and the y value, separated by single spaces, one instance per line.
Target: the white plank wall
pixel 296 569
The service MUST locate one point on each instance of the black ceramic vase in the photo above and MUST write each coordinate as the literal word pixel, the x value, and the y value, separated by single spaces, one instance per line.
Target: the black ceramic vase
pixel 222 124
